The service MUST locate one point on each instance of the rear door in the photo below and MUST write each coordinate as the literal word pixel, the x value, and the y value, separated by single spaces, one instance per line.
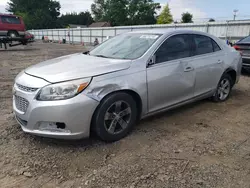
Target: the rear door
pixel 208 60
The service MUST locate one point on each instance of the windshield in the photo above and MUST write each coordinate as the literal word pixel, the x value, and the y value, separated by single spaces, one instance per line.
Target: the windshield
pixel 126 46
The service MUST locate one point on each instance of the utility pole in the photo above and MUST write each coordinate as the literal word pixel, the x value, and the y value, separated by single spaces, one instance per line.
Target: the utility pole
pixel 235 13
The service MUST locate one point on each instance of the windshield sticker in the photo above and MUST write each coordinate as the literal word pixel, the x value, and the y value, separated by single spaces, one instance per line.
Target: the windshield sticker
pixel 149 36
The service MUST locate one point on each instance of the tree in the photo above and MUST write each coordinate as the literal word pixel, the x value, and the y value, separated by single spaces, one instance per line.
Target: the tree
pixel 83 18
pixel 36 14
pixel 125 12
pixel 165 16
pixel 116 12
pixel 187 18
pixel 142 12
pixel 211 20
pixel 98 8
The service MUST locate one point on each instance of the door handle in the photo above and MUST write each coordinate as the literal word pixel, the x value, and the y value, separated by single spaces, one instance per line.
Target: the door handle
pixel 188 69
pixel 219 61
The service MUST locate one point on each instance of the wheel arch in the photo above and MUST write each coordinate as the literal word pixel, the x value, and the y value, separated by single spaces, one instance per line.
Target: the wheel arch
pixel 131 92
pixel 232 73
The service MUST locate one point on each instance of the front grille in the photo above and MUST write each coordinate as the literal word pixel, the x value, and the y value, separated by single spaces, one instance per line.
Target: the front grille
pixel 21 104
pixel 26 89
pixel 245 60
pixel 246 52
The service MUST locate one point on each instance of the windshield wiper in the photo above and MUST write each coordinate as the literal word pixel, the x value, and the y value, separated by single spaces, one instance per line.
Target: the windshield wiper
pixel 102 56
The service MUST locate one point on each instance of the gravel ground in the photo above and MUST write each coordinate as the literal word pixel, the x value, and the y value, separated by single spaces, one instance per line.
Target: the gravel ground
pixel 200 145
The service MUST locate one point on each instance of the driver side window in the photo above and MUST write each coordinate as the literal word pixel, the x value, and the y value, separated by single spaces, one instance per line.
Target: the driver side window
pixel 175 47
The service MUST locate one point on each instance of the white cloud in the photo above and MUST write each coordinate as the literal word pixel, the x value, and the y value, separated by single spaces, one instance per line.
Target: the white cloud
pixel 179 6
pixel 3 4
pixel 75 5
pixel 67 5
pixel 2 8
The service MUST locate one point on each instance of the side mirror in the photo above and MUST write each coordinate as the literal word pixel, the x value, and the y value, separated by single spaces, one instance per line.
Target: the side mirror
pixel 86 53
pixel 152 60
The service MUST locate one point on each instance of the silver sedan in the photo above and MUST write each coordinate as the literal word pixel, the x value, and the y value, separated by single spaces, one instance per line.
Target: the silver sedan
pixel 125 79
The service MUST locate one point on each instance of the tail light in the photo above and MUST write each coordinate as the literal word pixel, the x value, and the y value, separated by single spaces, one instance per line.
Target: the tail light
pixel 238 49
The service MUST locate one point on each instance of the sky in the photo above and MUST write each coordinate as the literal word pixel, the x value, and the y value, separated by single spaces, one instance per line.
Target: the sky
pixel 218 9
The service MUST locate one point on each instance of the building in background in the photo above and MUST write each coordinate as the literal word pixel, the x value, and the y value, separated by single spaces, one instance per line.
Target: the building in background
pixel 100 24
pixel 77 26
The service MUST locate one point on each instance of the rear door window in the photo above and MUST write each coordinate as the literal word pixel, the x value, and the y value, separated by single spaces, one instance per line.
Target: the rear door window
pixel 216 46
pixel 10 20
pixel 203 45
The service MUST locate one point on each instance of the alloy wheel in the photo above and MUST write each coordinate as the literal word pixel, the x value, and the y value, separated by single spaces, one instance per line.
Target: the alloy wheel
pixel 117 117
pixel 224 89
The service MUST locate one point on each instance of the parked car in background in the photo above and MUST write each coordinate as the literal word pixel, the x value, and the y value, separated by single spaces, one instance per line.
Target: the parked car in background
pixel 243 46
pixel 126 78
pixel 29 36
pixel 12 26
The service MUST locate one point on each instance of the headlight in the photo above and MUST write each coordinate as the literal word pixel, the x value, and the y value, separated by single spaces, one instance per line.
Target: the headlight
pixel 64 90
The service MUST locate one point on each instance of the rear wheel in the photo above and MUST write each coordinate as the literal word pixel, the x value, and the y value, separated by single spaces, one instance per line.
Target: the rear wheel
pixel 223 89
pixel 115 117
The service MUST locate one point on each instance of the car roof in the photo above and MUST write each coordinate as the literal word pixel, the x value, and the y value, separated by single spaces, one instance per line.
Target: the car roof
pixel 170 31
pixel 8 15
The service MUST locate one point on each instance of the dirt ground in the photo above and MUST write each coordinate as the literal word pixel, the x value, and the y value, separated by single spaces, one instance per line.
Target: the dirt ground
pixel 200 145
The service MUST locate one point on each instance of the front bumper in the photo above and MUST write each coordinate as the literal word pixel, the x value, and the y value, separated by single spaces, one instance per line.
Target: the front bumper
pixel 75 113
pixel 246 62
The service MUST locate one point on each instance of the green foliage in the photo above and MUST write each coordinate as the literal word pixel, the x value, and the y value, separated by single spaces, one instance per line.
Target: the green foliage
pixel 125 12
pixel 165 16
pixel 83 18
pixel 36 14
pixel 187 17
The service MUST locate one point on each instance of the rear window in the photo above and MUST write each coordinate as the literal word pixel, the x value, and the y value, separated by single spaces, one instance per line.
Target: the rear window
pixel 10 20
pixel 245 40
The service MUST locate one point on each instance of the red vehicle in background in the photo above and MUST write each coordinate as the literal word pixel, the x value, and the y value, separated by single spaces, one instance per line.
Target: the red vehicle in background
pixel 29 36
pixel 12 26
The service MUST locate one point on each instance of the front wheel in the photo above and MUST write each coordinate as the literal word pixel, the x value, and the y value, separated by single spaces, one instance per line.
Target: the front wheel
pixel 115 117
pixel 224 89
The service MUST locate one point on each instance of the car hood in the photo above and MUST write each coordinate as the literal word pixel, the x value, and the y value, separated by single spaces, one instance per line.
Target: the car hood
pixel 76 66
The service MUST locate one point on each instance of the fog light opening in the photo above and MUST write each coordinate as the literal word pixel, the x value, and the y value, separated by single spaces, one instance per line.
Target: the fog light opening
pixel 60 125
pixel 53 127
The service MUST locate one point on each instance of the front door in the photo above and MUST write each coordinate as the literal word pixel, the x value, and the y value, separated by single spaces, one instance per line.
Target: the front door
pixel 171 79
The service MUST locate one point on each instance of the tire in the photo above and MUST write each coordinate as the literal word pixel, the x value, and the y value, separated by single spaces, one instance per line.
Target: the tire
pixel 224 89
pixel 115 117
pixel 12 34
pixel 245 70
